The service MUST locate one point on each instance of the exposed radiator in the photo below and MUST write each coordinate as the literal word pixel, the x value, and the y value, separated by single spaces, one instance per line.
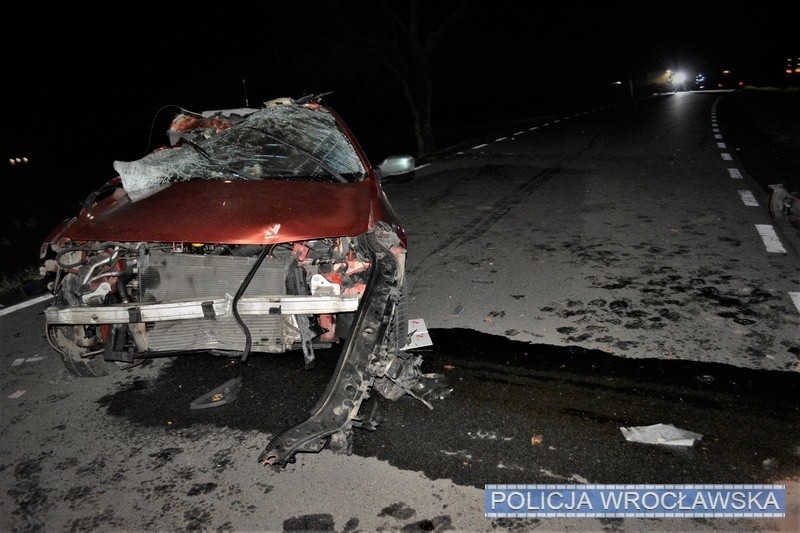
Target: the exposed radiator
pixel 170 277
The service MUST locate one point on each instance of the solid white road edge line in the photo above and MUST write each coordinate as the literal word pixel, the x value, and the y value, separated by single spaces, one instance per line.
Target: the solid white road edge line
pixel 33 301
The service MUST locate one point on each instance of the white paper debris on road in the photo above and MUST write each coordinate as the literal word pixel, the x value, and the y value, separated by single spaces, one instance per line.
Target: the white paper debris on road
pixel 18 362
pixel 661 434
pixel 418 335
pixel 15 395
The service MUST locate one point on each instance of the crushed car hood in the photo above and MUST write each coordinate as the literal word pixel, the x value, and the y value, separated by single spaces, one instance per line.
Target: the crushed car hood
pixel 233 212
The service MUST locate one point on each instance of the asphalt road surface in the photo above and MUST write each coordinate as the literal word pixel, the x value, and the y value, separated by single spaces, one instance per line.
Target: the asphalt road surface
pixel 612 268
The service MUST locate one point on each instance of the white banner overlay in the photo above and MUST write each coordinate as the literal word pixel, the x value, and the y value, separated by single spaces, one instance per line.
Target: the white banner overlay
pixel 635 501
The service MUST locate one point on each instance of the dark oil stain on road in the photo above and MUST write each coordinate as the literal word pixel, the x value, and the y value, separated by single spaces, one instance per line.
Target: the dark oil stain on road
pixel 27 492
pixel 310 522
pixel 518 413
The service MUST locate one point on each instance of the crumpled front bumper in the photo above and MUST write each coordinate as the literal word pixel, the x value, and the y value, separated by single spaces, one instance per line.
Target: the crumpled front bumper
pixel 186 310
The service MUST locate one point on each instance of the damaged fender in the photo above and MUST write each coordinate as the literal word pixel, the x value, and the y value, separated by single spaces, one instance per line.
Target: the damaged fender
pixel 371 352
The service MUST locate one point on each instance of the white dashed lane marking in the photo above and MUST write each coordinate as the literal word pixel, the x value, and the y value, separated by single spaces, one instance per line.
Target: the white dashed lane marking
pixel 795 296
pixel 516 134
pixel 770 238
pixel 735 174
pixel 748 198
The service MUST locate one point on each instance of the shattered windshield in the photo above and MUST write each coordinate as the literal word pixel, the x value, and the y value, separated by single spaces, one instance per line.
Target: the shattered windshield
pixel 281 141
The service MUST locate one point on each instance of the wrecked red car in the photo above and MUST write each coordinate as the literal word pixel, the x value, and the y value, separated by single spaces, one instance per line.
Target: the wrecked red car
pixel 254 231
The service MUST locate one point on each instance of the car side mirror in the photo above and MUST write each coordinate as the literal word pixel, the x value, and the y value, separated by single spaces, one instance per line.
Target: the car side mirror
pixel 395 165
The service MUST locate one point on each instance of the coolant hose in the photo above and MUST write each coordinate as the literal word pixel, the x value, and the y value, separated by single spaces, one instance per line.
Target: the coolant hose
pixel 243 287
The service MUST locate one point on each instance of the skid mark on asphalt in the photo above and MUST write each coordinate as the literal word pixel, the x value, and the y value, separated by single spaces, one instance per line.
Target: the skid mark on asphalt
pixel 484 221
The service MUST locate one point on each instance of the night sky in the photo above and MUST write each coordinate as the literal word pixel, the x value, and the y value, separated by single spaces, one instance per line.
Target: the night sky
pixel 84 86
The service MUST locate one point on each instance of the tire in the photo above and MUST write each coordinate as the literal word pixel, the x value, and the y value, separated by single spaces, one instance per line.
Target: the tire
pixel 93 367
pixel 62 338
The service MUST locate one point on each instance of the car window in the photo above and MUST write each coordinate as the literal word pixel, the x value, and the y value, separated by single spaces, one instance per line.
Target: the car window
pixel 281 141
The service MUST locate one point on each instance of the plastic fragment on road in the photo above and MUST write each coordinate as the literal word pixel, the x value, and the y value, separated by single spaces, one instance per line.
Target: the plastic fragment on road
pixel 225 393
pixel 660 434
pixel 418 335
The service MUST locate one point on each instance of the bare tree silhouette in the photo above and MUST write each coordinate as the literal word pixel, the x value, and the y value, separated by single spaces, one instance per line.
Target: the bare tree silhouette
pixel 404 36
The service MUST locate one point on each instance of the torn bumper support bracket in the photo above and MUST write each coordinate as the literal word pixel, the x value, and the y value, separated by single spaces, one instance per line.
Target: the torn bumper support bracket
pixel 351 380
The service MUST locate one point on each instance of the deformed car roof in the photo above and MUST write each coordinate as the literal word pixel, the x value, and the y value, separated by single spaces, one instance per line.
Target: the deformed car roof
pixel 288 171
pixel 282 140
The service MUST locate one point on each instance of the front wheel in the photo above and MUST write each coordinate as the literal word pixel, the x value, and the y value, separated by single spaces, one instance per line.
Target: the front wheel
pixel 80 352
